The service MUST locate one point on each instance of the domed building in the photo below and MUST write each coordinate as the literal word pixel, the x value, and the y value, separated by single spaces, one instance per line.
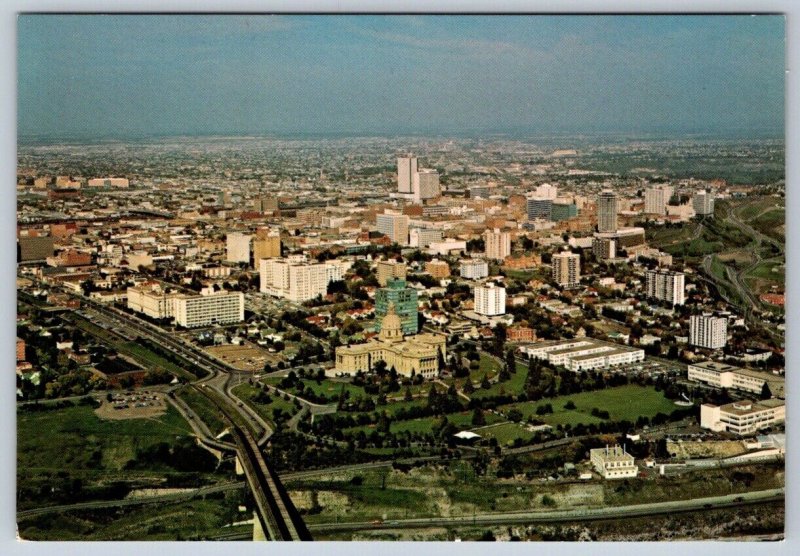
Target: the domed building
pixel 409 355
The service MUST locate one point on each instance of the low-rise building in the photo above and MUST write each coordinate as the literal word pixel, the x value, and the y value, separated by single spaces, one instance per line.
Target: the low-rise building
pixel 613 462
pixel 437 268
pixel 722 375
pixel 584 354
pixel 474 269
pixel 743 417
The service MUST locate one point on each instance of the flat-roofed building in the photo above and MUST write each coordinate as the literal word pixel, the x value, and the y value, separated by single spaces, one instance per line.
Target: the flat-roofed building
pixel 708 331
pixel 394 226
pixel 35 248
pixel 387 270
pixel 238 247
pixel 666 285
pixel 152 300
pixel 490 300
pixel 497 243
pixel 607 211
pixel 404 301
pixel 266 245
pixel 293 278
pixel 474 269
pixel 743 417
pixel 656 199
pixel 209 308
pixel 425 184
pixel 613 462
pixel 406 168
pixel 423 237
pixel 567 269
pixel 604 248
pixel 703 203
pixel 108 182
pixel 437 268
pixel 722 375
pixel 584 354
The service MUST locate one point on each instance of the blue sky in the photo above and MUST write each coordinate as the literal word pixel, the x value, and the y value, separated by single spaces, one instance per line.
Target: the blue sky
pixel 103 75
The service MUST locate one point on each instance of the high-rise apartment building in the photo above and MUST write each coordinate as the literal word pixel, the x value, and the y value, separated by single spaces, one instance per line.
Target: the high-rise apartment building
pixel 490 300
pixel 666 285
pixel 406 168
pixel 607 211
pixel 425 184
pixel 567 269
pixel 405 305
pixel 395 226
pixel 656 199
pixel 708 331
pixel 293 278
pixel 703 203
pixel 387 270
pixel 238 247
pixel 563 211
pixel 209 308
pixel 498 244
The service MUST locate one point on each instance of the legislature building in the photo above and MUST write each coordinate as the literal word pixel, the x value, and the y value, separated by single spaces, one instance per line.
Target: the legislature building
pixel 411 355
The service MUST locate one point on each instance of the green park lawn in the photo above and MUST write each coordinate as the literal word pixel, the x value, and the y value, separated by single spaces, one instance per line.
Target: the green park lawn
pixel 623 403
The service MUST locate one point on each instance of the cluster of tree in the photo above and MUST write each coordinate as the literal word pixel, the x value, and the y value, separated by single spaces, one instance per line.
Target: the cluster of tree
pixel 184 455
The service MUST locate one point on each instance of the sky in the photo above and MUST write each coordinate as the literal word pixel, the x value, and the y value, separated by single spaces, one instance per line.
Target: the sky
pixel 133 75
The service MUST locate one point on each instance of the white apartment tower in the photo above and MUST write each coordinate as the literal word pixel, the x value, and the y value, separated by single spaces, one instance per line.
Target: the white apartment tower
pixel 703 203
pixel 607 211
pixel 238 247
pixel 708 331
pixel 656 199
pixel 395 226
pixel 666 285
pixel 406 168
pixel 425 185
pixel 293 279
pixel 498 244
pixel 567 269
pixel 490 300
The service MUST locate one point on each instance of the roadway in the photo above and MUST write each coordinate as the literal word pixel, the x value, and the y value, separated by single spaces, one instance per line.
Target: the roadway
pixel 560 516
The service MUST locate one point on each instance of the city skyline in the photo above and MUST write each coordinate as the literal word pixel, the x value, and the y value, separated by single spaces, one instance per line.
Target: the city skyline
pixel 133 75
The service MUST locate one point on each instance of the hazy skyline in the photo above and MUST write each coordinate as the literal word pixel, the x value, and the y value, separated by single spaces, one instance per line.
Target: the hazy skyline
pixel 111 75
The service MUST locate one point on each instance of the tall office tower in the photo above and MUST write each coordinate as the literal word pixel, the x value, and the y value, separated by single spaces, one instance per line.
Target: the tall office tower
pixel 238 248
pixel 388 270
pixel 563 211
pixel 607 211
pixel 406 168
pixel 567 269
pixel 708 331
pixel 405 304
pixel 490 300
pixel 425 184
pixel 395 226
pixel 703 203
pixel 666 285
pixel 656 199
pixel 539 208
pixel 498 244
pixel 266 245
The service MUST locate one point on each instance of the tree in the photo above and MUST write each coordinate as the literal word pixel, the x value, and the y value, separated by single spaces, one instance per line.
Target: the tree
pixel 766 393
pixel 485 383
pixel 477 417
pixel 515 415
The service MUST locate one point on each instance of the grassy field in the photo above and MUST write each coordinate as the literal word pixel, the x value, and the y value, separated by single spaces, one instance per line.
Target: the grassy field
pixel 424 425
pixel 511 386
pixel 67 438
pixel 622 403
pixel 188 520
pixel 204 409
pixel 505 433
pixel 246 392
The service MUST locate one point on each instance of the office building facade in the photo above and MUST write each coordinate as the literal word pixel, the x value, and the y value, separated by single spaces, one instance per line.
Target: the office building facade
pixel 607 209
pixel 405 304
pixel 567 269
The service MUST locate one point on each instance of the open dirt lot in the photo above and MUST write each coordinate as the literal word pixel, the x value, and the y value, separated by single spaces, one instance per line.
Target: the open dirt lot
pixel 247 357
